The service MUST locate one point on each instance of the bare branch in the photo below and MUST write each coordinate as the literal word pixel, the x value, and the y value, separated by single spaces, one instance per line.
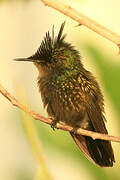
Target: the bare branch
pixel 82 19
pixel 36 116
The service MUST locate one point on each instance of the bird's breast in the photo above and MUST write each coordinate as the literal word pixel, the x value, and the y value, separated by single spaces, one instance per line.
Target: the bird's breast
pixel 63 97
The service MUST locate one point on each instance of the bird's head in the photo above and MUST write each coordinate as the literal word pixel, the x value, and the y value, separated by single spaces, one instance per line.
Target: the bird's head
pixel 54 54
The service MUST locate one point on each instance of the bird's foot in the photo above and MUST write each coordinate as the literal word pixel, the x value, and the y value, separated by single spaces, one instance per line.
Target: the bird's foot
pixel 53 124
pixel 74 130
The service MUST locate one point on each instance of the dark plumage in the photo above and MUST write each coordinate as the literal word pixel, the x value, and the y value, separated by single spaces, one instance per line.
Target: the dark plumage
pixel 71 94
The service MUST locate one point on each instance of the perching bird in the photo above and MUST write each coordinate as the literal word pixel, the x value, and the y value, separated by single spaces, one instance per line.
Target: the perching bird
pixel 71 95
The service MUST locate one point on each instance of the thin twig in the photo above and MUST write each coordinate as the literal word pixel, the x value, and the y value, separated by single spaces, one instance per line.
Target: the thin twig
pixel 84 20
pixel 36 116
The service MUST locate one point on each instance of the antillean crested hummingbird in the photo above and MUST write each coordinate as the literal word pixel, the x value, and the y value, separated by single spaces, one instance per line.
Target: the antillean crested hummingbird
pixel 71 95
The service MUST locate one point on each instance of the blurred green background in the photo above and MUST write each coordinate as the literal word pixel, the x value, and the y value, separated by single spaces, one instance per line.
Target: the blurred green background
pixel 23 24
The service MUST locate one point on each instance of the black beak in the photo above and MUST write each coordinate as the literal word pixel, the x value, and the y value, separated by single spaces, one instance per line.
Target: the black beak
pixel 26 59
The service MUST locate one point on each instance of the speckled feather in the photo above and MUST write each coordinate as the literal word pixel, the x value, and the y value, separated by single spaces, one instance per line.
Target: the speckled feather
pixel 71 94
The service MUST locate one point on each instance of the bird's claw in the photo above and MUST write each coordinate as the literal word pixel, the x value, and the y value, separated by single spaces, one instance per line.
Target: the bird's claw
pixel 53 124
pixel 74 130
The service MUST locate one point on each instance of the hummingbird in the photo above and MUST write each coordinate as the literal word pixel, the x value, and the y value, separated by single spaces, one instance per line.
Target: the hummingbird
pixel 72 95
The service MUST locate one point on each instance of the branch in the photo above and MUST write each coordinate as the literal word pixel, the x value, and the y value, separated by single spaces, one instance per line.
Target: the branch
pixel 82 19
pixel 36 116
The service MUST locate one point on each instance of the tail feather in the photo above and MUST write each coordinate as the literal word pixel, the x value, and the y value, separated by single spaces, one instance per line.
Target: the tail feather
pixel 99 153
pixel 95 150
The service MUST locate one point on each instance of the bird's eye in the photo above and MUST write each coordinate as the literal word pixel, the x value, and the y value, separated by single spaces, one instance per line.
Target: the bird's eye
pixel 55 60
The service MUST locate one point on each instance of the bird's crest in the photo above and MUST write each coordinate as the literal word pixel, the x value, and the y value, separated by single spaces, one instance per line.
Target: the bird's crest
pixel 48 44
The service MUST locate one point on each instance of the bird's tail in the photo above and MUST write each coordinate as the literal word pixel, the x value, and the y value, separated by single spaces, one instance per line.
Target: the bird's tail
pixel 98 151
